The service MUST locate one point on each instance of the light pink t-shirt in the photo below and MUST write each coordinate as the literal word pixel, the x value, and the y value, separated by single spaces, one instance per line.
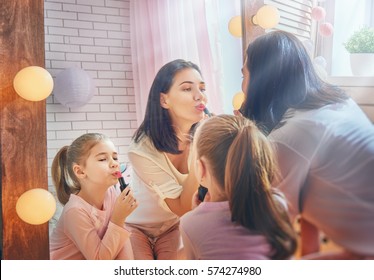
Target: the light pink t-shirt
pixel 154 178
pixel 85 232
pixel 209 234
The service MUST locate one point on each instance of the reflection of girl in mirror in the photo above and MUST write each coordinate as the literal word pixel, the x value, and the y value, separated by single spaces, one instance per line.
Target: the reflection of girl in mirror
pixel 324 142
pixel 160 155
pixel 91 225
pixel 242 216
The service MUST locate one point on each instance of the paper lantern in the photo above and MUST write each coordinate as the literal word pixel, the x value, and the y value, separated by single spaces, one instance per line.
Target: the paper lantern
pixel 238 100
pixel 267 17
pixel 235 26
pixel 36 206
pixel 321 61
pixel 73 87
pixel 33 83
pixel 326 29
pixel 318 13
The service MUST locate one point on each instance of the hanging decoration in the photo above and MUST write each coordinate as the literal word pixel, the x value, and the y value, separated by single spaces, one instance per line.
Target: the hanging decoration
pixel 325 29
pixel 73 87
pixel 318 13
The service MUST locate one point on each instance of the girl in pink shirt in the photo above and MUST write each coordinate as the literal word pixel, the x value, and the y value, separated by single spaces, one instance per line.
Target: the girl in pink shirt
pixel 241 217
pixel 91 225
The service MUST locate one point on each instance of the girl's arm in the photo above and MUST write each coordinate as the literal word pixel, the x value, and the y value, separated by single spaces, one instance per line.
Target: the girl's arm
pixel 82 228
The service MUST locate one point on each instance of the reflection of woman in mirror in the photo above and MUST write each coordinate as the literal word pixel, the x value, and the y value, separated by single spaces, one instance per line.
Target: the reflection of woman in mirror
pixel 160 155
pixel 325 144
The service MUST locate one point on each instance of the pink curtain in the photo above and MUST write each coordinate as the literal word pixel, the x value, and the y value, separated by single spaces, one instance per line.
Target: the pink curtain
pixel 164 30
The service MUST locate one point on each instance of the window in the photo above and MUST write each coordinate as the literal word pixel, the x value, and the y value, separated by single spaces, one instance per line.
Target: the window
pixel 346 17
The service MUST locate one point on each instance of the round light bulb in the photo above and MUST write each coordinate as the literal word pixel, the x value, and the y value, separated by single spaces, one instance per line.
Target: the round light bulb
pixel 36 206
pixel 235 26
pixel 238 100
pixel 267 17
pixel 33 83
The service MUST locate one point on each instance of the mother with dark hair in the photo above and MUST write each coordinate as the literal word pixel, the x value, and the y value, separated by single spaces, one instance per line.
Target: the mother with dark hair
pixel 159 154
pixel 324 141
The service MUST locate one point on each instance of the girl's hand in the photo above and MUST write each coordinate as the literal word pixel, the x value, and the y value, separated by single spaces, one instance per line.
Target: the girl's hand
pixel 125 204
pixel 196 201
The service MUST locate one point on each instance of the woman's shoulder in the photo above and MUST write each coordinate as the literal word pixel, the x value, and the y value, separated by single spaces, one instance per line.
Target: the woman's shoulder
pixel 145 148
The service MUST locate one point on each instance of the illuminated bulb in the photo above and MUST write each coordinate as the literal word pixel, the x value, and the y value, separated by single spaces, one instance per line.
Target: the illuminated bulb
pixel 238 100
pixel 235 26
pixel 267 17
pixel 36 206
pixel 33 83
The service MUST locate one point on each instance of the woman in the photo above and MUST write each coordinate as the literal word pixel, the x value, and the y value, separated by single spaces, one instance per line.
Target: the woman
pixel 159 155
pixel 325 144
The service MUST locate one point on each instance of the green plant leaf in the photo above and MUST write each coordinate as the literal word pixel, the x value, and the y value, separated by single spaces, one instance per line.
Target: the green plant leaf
pixel 361 41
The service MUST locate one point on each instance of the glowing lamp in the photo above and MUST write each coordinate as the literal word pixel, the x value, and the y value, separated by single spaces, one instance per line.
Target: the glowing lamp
pixel 267 17
pixel 33 83
pixel 238 100
pixel 73 87
pixel 36 206
pixel 235 26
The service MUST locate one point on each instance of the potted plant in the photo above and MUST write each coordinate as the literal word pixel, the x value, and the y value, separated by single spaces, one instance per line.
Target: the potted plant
pixel 361 48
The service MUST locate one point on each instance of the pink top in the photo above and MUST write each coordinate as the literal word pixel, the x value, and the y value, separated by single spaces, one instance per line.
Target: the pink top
pixel 209 234
pixel 85 232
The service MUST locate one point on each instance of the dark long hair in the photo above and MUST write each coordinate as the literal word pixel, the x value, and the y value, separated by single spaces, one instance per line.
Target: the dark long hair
pixel 157 122
pixel 282 76
pixel 242 158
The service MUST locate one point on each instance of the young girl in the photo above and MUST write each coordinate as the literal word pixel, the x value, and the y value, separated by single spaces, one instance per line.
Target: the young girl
pixel 91 225
pixel 242 217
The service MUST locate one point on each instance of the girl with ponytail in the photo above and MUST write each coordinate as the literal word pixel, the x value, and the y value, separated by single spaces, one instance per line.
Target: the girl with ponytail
pixel 242 216
pixel 92 223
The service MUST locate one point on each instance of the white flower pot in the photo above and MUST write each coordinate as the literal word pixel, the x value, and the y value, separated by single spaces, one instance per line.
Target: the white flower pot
pixel 362 64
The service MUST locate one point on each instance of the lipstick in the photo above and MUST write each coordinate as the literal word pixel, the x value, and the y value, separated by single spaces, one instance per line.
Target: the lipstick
pixel 121 180
pixel 206 111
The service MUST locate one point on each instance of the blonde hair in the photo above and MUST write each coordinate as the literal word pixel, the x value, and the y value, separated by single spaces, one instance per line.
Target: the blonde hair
pixel 242 160
pixel 63 175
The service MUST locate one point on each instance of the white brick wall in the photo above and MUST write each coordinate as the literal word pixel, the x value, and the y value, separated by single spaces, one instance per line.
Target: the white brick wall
pixel 93 35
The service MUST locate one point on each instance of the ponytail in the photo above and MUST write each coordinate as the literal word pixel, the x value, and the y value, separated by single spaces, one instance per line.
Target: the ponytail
pixel 60 175
pixel 250 162
pixel 241 156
